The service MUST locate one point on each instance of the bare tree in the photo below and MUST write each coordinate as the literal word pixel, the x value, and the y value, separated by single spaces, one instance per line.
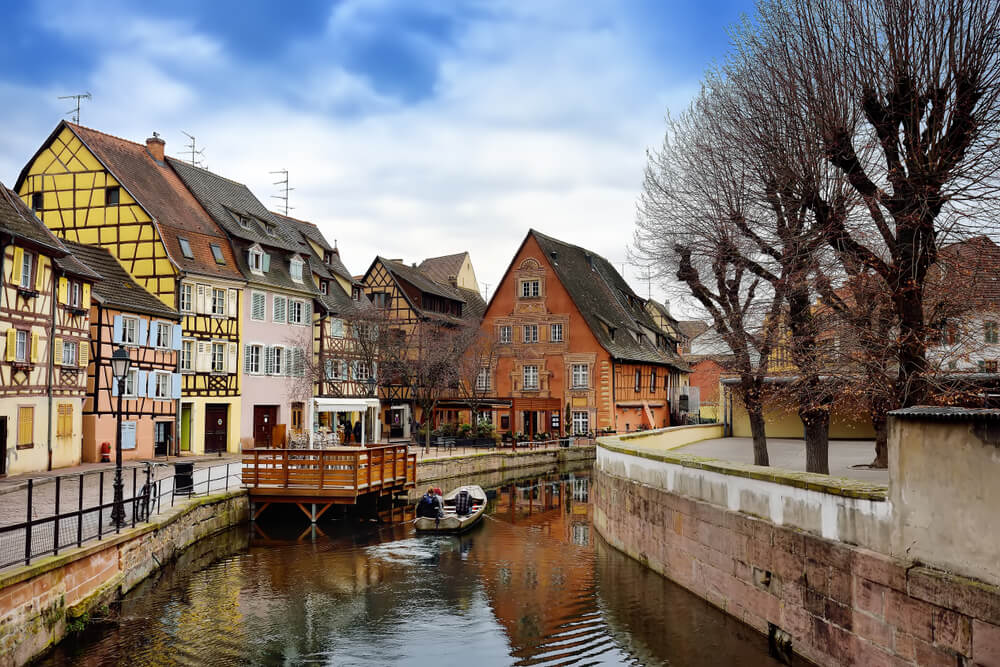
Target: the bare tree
pixel 475 370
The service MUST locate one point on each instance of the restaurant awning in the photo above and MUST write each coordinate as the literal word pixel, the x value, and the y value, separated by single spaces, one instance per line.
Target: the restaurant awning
pixel 345 404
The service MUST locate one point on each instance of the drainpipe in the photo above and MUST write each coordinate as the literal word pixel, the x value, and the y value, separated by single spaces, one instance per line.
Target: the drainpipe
pixel 52 353
pixel 614 397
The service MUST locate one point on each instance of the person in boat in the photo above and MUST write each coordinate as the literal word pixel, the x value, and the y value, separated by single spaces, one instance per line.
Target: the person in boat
pixel 430 505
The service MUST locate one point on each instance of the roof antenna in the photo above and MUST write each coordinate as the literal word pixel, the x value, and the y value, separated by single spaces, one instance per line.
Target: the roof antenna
pixel 76 110
pixel 284 196
pixel 486 289
pixel 197 156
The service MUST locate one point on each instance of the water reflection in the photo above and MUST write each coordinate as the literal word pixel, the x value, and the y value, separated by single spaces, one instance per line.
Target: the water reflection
pixel 532 585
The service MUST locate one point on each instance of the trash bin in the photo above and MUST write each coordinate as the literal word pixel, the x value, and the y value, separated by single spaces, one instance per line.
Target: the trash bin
pixel 184 478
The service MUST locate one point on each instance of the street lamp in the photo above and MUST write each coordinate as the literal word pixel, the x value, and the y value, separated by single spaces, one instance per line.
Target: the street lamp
pixel 120 364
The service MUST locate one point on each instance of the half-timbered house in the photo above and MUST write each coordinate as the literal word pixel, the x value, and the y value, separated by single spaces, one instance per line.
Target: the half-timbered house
pixel 123 314
pixel 44 314
pixel 98 189
pixel 579 351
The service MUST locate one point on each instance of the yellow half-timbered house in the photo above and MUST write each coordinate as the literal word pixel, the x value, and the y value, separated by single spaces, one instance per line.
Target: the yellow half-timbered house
pixel 44 326
pixel 94 188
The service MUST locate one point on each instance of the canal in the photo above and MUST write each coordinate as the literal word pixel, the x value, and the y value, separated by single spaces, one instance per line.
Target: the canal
pixel 532 585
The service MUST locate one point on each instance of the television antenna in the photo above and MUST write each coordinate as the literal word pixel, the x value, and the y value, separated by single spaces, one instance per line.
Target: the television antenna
pixel 284 192
pixel 76 110
pixel 197 156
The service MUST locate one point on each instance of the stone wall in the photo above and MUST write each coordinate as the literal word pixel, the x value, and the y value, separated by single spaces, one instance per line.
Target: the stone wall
pixel 484 462
pixel 836 603
pixel 39 601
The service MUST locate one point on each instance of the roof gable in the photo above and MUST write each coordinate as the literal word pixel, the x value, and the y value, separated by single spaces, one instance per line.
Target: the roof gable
pixel 116 288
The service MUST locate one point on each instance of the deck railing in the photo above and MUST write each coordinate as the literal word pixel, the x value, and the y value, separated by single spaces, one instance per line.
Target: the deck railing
pixel 335 472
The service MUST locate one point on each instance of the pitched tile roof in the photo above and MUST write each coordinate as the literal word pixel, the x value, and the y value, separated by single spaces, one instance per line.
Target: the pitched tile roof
pixel 606 302
pixel 692 328
pixel 309 231
pixel 440 269
pixel 21 223
pixel 116 288
pixel 160 191
pixel 967 272
pixel 415 277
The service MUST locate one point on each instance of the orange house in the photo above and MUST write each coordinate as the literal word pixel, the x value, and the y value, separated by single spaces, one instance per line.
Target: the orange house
pixel 579 351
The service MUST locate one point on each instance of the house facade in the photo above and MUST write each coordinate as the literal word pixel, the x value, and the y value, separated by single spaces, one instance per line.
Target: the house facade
pixel 123 314
pixel 579 352
pixel 44 317
pixel 93 188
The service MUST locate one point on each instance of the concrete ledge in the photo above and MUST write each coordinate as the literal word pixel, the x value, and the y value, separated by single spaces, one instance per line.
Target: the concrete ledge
pixel 487 462
pixel 667 438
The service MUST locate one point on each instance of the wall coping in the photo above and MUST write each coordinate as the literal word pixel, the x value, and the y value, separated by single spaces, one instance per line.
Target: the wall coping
pixel 838 486
pixel 659 431
pixel 49 563
pixel 506 453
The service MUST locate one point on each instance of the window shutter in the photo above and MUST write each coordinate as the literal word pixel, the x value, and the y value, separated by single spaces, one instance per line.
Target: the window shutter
pixel 63 289
pixel 307 312
pixel 354 370
pixel 143 332
pixel 140 383
pixel 246 358
pixel 298 369
pixel 128 435
pixel 34 347
pixel 200 306
pixel 40 273
pixel 116 336
pixel 268 360
pixel 286 361
pixel 85 299
pixel 83 354
pixel 279 308
pixel 234 303
pixel 11 344
pixel 234 358
pixel 202 360
pixel 151 385
pixel 57 351
pixel 265 264
pixel 175 339
pixel 114 383
pixel 15 268
pixel 176 383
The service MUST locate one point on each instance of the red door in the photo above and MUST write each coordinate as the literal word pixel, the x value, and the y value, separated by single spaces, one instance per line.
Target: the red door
pixel 264 418
pixel 216 428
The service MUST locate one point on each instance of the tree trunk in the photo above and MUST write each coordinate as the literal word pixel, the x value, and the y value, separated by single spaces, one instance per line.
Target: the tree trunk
pixel 880 421
pixel 757 430
pixel 817 434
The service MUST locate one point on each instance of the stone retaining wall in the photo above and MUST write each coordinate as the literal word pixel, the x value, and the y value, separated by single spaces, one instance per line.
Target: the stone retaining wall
pixel 485 462
pixel 38 601
pixel 836 603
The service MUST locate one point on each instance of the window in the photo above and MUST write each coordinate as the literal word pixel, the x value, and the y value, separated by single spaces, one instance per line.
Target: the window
pixel 505 422
pixel 531 377
pixel 530 333
pixel 297 312
pixel 581 423
pixel 130 331
pixel 269 229
pixel 581 375
pixel 218 301
pixel 256 261
pixel 218 357
pixel 989 331
pixel 638 379
pixel 73 298
pixel 244 221
pixel 991 366
pixel 251 363
pixel 297 410
pixel 27 261
pixel 257 306
pixel 483 379
pixel 69 349
pixel 36 201
pixel 112 196
pixel 161 385
pixel 555 333
pixel 652 380
pixel 356 293
pixel 64 420
pixel 187 298
pixel 131 383
pixel 22 346
pixel 322 287
pixel 296 269
pixel 25 427
pixel 380 299
pixel 362 371
pixel 217 253
pixel 337 327
pixel 185 247
pixel 276 360
pixel 505 334
pixel 161 335
pixel 279 308
pixel 187 355
pixel 530 288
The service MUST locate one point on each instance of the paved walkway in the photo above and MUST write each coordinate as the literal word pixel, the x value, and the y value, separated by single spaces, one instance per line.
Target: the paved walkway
pixel 791 455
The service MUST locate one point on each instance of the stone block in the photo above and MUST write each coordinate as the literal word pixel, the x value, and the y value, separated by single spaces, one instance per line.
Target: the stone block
pixel 952 630
pixel 839 614
pixel 816 576
pixel 834 554
pixel 870 597
pixel 912 616
pixel 789 566
pixel 929 655
pixel 965 596
pixel 880 569
pixel 985 643
pixel 904 644
pixel 873 629
pixel 789 540
pixel 841 586
pixel 871 655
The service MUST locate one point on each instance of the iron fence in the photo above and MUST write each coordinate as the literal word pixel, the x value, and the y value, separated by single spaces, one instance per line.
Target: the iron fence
pixel 52 514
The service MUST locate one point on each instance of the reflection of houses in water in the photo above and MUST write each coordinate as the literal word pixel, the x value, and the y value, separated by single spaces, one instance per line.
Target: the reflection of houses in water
pixel 534 501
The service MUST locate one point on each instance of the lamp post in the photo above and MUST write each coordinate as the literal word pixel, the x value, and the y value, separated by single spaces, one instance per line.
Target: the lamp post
pixel 120 364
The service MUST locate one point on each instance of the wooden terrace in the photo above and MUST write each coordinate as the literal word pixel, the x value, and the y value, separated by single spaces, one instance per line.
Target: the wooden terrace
pixel 321 478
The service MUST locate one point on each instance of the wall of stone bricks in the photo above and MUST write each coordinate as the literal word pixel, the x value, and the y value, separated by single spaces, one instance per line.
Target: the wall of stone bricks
pixel 485 462
pixel 839 604
pixel 37 602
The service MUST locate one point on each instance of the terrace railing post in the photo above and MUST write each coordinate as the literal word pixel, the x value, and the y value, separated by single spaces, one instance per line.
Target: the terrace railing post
pixel 55 526
pixel 79 514
pixel 135 472
pixel 286 467
pixel 322 469
pixel 100 505
pixel 256 467
pixel 27 526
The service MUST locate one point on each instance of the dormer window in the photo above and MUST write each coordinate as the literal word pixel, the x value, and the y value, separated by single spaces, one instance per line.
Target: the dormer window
pixel 322 286
pixel 269 229
pixel 256 260
pixel 217 253
pixel 244 221
pixel 296 269
pixel 185 247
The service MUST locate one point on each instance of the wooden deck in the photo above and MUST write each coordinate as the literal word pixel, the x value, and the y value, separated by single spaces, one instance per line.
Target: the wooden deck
pixel 325 477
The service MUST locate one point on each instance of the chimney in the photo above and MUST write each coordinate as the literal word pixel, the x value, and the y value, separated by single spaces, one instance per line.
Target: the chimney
pixel 155 147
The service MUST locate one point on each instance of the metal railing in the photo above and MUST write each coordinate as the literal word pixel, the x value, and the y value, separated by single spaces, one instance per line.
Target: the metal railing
pixel 53 514
pixel 451 445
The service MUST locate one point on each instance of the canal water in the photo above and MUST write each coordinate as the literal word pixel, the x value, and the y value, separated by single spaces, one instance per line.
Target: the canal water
pixel 533 585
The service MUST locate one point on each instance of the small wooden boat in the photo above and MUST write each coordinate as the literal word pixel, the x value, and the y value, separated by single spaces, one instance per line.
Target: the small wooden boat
pixel 452 522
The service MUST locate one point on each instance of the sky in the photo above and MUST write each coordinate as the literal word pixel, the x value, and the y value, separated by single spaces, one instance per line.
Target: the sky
pixel 409 129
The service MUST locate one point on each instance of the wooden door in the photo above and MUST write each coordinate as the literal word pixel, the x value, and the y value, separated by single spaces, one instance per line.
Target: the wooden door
pixel 216 428
pixel 264 419
pixel 161 438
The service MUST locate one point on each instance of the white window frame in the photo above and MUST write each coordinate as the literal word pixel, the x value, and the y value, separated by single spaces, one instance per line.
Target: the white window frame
pixel 529 375
pixel 483 379
pixel 533 329
pixel 284 309
pixel 295 269
pixel 164 377
pixel 553 328
pixel 580 418
pixel 74 295
pixel 134 338
pixel 27 262
pixel 263 308
pixel 300 306
pixel 506 333
pixel 187 298
pixel 362 371
pixel 256 261
pixel 70 348
pixel 222 357
pixel 22 346
pixel 221 312
pixel 277 360
pixel 255 353
pixel 531 289
pixel 187 354
pixel 580 376
pixel 131 384
pixel 162 332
